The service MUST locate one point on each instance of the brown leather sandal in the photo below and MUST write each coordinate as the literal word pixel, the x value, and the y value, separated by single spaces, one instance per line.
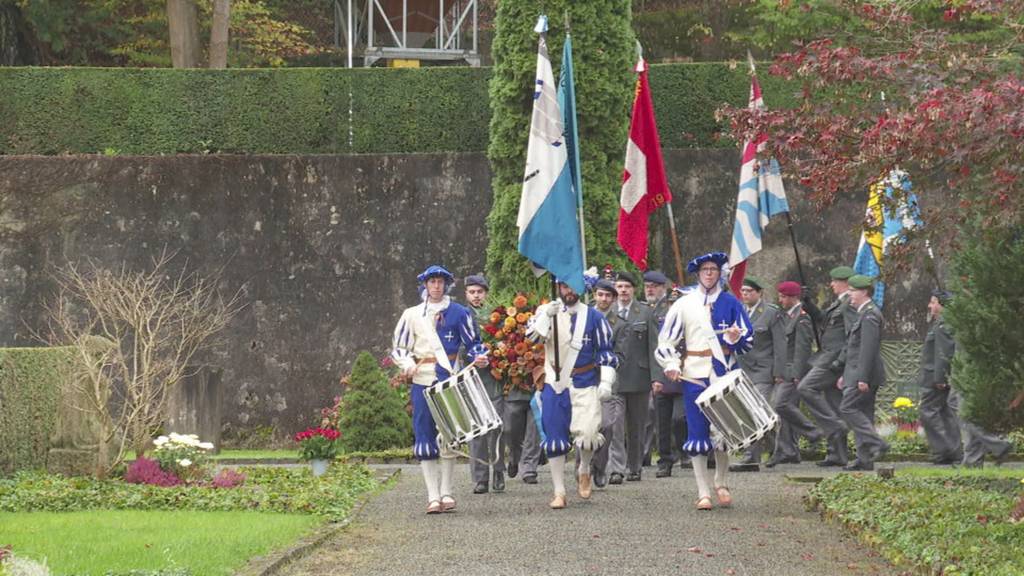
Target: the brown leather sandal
pixel 434 507
pixel 447 504
pixel 704 503
pixel 724 496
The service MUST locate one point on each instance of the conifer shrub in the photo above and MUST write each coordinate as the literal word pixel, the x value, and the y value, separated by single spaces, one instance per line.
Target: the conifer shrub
pixel 985 314
pixel 371 414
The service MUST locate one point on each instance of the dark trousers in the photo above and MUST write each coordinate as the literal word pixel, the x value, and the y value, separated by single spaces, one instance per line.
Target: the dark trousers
pixel 671 419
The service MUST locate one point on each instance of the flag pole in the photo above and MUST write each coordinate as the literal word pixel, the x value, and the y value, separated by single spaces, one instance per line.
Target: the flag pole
pixel 792 233
pixel 554 328
pixel 578 184
pixel 675 245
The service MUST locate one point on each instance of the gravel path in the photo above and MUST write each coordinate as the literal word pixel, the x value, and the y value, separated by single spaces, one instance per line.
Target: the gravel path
pixel 647 527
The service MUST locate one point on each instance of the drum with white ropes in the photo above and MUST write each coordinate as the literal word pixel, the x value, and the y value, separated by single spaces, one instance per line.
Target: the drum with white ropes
pixel 461 408
pixel 739 412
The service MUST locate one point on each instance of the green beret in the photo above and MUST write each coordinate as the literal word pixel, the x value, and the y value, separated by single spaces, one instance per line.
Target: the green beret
pixel 861 281
pixel 841 273
pixel 753 282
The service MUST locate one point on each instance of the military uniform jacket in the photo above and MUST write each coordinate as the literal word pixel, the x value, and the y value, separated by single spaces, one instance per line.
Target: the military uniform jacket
pixel 864 349
pixel 658 312
pixel 799 335
pixel 839 319
pixel 766 360
pixel 493 386
pixel 937 355
pixel 635 338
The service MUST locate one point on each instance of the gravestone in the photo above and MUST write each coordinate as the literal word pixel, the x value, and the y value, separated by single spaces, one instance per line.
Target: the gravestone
pixel 195 405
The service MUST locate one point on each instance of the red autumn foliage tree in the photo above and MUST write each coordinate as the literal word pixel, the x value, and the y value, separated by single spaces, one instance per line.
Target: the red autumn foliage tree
pixel 947 107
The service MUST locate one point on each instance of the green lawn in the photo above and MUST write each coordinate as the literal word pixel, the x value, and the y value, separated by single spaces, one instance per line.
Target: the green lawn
pixel 98 541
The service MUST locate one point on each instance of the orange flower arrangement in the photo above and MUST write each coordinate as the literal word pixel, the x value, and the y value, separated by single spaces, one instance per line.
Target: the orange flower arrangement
pixel 513 357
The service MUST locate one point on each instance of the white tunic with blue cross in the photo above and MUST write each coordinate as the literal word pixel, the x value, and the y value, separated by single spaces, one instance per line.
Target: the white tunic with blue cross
pixel 455 326
pixel 596 350
pixel 688 323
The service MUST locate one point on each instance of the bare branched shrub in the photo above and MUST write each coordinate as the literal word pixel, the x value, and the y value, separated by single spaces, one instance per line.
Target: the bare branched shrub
pixel 135 336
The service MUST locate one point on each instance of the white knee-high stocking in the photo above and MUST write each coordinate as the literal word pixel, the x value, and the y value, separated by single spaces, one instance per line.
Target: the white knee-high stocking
pixel 586 456
pixel 700 473
pixel 431 476
pixel 557 464
pixel 721 467
pixel 447 472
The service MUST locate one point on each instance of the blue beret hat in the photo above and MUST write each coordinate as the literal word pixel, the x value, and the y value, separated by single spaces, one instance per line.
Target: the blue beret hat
pixel 655 277
pixel 717 257
pixel 476 280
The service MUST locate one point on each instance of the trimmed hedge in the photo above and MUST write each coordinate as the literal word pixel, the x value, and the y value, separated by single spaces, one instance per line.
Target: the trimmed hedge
pixel 30 385
pixel 266 489
pixel 955 524
pixel 306 110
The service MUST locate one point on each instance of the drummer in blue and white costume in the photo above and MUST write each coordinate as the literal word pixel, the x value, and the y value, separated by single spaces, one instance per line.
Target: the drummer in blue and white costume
pixel 714 328
pixel 571 399
pixel 426 348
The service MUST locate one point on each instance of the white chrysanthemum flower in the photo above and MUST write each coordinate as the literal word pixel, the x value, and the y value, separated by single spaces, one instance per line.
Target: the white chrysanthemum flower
pixel 184 462
pixel 206 445
pixel 160 441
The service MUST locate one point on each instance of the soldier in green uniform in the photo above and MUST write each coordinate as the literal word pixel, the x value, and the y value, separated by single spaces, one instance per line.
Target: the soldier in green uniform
pixel 863 374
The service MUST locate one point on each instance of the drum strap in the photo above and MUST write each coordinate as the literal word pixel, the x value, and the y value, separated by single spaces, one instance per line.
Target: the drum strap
pixel 428 328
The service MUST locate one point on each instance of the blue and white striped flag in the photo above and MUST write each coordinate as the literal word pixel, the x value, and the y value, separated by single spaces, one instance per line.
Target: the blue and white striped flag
pixel 549 230
pixel 761 196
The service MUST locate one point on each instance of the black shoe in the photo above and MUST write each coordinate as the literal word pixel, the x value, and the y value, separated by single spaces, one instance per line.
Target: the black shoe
pixel 1003 456
pixel 749 459
pixel 513 469
pixel 881 452
pixel 827 463
pixel 858 465
pixel 481 488
pixel 530 478
pixel 744 467
pixel 663 471
pixel 615 478
pixel 773 461
pixel 498 481
pixel 633 477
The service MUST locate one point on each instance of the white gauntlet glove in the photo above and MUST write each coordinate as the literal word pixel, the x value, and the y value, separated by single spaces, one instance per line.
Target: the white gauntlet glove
pixel 552 308
pixel 604 389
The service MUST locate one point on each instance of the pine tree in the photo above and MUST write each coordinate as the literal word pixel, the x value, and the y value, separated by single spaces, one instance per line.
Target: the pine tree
pixel 372 415
pixel 985 316
pixel 604 54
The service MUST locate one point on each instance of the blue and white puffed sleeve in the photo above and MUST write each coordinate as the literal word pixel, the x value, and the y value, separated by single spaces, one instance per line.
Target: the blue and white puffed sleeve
pixel 402 343
pixel 671 334
pixel 604 342
pixel 740 319
pixel 470 336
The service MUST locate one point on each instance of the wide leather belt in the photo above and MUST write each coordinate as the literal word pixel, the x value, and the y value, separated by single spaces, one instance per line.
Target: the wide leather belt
pixel 433 360
pixel 582 369
pixel 703 353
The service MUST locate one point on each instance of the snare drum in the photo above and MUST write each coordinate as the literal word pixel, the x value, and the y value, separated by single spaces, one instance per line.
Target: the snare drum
pixel 739 412
pixel 461 408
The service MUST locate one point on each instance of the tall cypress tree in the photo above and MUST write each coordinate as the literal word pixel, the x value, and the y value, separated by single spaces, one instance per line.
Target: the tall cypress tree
pixel 985 313
pixel 604 54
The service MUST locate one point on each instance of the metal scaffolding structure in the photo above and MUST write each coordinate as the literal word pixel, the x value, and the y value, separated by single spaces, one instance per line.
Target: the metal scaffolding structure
pixel 437 30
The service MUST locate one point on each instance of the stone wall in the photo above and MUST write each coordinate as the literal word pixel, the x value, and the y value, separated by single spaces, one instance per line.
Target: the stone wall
pixel 325 249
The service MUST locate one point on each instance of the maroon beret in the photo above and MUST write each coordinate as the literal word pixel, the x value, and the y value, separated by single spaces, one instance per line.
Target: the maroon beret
pixel 788 288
